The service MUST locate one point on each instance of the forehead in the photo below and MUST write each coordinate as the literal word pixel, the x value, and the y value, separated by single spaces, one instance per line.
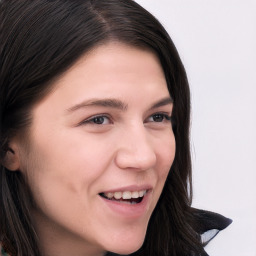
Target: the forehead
pixel 111 63
pixel 113 70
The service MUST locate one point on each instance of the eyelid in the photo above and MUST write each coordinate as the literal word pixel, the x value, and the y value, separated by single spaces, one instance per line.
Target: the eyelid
pixel 166 115
pixel 89 120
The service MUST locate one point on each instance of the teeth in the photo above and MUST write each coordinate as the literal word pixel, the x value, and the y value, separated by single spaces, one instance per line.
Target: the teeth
pixel 117 195
pixel 135 194
pixel 125 194
pixel 141 193
pixel 110 195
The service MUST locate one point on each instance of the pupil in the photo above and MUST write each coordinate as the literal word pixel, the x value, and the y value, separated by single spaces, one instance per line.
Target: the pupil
pixel 98 120
pixel 158 118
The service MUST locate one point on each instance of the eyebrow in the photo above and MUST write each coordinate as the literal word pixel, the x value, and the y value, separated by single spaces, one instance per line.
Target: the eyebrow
pixel 115 103
pixel 162 102
pixel 111 103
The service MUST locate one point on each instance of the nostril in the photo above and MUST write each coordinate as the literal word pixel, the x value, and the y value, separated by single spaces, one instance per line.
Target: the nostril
pixel 135 148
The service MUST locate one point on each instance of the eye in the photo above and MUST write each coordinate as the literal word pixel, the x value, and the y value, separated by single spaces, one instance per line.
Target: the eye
pixel 97 120
pixel 159 117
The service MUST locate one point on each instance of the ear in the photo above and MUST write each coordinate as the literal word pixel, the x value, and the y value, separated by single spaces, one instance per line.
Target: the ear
pixel 12 158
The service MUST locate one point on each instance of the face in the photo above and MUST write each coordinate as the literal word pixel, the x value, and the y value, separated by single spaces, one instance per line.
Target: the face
pixel 99 150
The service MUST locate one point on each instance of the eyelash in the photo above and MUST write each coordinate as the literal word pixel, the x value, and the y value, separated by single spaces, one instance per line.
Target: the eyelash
pixel 91 120
pixel 163 116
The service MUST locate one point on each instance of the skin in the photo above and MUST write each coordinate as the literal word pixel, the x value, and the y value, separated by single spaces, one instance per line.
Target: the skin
pixel 71 157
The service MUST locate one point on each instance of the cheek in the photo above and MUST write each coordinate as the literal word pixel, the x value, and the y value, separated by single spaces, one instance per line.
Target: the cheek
pixel 62 163
pixel 166 155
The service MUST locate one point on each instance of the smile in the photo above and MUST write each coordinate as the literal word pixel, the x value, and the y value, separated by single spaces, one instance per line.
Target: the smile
pixel 128 197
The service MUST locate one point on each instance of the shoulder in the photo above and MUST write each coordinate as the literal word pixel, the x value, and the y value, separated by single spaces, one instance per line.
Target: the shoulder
pixel 209 224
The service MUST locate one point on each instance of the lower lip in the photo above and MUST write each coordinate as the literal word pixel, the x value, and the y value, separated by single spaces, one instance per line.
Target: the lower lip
pixel 129 210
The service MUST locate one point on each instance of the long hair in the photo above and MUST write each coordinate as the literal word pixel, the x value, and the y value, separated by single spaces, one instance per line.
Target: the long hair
pixel 39 41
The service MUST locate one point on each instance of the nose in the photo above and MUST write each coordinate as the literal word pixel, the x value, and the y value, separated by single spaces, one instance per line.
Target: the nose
pixel 135 150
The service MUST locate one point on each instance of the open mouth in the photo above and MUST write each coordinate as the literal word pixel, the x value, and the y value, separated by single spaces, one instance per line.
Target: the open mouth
pixel 127 197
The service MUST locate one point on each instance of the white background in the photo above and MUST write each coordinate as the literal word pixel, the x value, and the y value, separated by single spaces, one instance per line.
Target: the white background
pixel 216 40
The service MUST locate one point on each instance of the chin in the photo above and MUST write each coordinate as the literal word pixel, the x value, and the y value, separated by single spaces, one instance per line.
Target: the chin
pixel 125 249
pixel 126 243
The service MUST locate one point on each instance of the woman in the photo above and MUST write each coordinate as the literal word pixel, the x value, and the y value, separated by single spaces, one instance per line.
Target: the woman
pixel 94 133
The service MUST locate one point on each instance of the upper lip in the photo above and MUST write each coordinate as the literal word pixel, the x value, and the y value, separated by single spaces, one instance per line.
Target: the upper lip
pixel 130 188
